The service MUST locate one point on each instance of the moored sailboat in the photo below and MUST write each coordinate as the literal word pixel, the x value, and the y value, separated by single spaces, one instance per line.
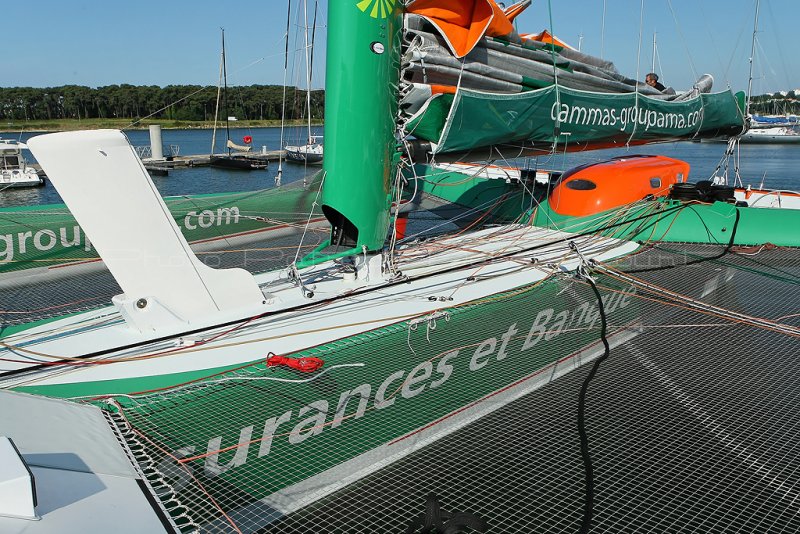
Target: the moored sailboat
pixel 235 159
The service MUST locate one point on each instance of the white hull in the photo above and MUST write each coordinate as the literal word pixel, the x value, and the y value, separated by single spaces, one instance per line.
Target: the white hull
pixel 14 170
pixel 776 135
pixel 26 178
pixel 764 198
pixel 311 154
pixel 293 323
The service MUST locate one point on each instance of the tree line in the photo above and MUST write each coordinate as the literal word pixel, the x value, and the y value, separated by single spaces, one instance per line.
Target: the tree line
pixel 198 103
pixel 177 102
pixel 776 104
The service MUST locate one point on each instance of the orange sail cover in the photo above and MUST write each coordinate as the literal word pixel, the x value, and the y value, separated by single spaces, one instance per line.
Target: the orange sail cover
pixel 546 37
pixel 463 23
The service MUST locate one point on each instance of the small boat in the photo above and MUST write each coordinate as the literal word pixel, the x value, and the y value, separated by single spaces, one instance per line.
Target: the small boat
pixel 238 162
pixel 157 170
pixel 310 153
pixel 14 170
pixel 774 135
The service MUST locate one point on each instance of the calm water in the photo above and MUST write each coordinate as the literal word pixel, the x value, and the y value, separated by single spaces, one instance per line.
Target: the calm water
pixel 776 165
pixel 188 181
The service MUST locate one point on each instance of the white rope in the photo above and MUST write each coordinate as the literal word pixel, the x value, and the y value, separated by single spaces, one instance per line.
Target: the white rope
pixel 310 215
pixel 224 380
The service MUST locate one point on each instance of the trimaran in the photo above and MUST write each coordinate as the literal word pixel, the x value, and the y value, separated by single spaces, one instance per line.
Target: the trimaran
pixel 218 400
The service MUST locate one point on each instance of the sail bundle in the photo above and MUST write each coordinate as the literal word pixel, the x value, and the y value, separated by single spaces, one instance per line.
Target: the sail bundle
pixel 462 89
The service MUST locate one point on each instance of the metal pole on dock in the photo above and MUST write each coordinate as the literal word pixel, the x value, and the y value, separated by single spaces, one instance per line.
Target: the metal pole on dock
pixel 156 150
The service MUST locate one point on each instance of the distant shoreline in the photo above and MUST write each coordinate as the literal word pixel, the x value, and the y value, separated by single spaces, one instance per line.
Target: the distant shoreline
pixel 63 125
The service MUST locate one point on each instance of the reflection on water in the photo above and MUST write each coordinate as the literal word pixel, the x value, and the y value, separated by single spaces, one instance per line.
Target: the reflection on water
pixel 26 196
pixel 776 165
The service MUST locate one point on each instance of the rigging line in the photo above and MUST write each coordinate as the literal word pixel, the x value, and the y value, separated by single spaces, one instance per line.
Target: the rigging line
pixel 736 165
pixel 683 40
pixel 156 112
pixel 225 93
pixel 323 302
pixel 760 268
pixel 734 55
pixel 711 38
pixel 204 383
pixel 679 300
pixel 313 38
pixel 557 124
pixel 310 215
pixel 398 201
pixel 187 469
pixel 306 53
pixel 603 30
pixel 638 74
pixel 725 251
pixel 785 67
pixel 476 209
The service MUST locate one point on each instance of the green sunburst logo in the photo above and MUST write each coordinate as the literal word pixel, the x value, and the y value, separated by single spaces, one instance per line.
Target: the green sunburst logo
pixel 377 8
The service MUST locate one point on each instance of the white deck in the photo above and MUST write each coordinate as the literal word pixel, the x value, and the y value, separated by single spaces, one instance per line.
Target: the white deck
pixel 84 480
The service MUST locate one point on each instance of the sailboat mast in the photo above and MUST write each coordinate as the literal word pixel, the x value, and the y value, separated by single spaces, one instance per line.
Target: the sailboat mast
pixel 752 56
pixel 311 66
pixel 308 68
pixel 361 102
pixel 283 100
pixel 225 94
pixel 654 52
pixel 216 107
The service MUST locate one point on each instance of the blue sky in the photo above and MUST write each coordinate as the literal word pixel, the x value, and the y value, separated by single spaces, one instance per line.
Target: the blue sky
pixel 95 43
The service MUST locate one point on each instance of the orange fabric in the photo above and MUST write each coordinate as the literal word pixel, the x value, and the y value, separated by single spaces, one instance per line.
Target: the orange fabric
pixel 545 37
pixel 463 23
pixel 443 89
pixel 513 11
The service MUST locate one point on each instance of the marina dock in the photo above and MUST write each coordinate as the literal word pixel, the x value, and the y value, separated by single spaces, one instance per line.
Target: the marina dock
pixel 201 160
pixel 196 160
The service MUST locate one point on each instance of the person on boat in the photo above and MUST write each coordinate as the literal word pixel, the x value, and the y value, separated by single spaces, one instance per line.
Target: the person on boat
pixel 652 80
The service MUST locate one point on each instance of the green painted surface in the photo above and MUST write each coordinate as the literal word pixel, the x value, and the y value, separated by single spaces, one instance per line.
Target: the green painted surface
pixel 122 386
pixel 567 116
pixel 362 76
pixel 674 221
pixel 41 236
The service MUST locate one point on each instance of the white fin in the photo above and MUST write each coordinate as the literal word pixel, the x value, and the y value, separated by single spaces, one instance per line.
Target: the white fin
pixel 108 190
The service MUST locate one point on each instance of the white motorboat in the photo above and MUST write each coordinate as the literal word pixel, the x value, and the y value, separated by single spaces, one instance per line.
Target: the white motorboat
pixel 14 170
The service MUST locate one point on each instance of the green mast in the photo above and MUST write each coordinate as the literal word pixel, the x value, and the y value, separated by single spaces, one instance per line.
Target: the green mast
pixel 361 99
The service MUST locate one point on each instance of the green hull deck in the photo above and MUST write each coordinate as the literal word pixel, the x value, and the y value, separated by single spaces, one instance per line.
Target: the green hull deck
pixel 645 221
pixel 675 221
